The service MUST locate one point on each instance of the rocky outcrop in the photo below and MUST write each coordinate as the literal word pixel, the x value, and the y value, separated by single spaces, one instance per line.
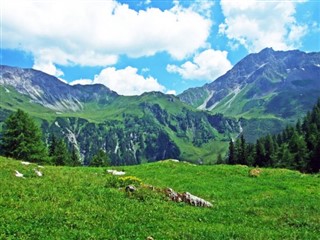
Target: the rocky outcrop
pixel 187 198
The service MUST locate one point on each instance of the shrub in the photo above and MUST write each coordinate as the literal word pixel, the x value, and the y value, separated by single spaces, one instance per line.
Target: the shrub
pixel 120 182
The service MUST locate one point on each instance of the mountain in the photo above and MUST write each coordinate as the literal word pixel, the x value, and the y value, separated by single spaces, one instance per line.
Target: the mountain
pixel 52 93
pixel 266 90
pixel 134 129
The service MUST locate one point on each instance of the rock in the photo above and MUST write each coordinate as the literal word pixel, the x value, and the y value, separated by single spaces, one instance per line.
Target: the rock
pixel 194 200
pixel 115 172
pixel 174 196
pixel 187 198
pixel 130 188
pixel 25 163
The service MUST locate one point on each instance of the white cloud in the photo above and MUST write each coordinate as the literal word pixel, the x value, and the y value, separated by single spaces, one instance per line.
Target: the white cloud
pixel 69 32
pixel 208 65
pixel 172 92
pixel 47 67
pixel 259 24
pixel 124 81
pixel 82 82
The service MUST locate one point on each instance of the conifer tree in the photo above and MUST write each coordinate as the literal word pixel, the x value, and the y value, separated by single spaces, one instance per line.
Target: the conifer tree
pixel 231 158
pixel 219 159
pixel 100 159
pixel 52 144
pixel 260 154
pixel 298 148
pixel 243 154
pixel 61 155
pixel 269 150
pixel 314 164
pixel 21 139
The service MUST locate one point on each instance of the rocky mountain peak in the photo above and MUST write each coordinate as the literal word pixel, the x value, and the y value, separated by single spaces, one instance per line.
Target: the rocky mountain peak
pixel 50 92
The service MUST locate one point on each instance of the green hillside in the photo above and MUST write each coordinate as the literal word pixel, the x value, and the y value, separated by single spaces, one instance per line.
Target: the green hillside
pixel 79 203
pixel 134 129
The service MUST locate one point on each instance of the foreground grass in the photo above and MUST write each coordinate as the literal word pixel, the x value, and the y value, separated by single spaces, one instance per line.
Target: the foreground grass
pixel 74 203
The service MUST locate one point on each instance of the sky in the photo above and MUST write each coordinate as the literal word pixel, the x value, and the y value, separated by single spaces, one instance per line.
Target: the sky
pixel 136 46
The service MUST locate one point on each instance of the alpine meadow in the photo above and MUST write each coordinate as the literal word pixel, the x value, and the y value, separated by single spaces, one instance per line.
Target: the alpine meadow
pixel 160 119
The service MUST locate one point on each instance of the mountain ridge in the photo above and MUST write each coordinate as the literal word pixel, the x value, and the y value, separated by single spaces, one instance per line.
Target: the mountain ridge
pixel 51 92
pixel 269 89
pixel 249 70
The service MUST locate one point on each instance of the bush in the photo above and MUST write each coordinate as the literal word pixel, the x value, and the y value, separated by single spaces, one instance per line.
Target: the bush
pixel 120 182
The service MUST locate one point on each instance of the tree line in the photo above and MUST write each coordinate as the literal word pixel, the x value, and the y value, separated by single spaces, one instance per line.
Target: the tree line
pixel 296 147
pixel 21 139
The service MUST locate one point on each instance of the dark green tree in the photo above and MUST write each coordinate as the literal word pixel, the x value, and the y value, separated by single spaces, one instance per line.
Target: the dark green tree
pixel 74 157
pixel 314 164
pixel 219 159
pixel 100 159
pixel 243 152
pixel 231 157
pixel 61 155
pixel 52 144
pixel 21 139
pixel 269 150
pixel 298 148
pixel 260 154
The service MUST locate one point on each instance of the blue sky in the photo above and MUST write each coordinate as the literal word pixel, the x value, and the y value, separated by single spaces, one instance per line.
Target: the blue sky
pixel 133 46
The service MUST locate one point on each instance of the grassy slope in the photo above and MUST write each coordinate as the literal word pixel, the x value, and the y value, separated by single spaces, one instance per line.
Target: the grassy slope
pixel 73 203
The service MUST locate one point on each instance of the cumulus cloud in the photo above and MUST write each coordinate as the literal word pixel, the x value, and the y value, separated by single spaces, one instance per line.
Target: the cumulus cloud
pixel 82 82
pixel 124 81
pixel 207 65
pixel 172 92
pixel 259 24
pixel 69 32
pixel 47 67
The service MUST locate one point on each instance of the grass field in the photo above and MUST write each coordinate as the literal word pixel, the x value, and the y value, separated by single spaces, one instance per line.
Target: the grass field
pixel 76 203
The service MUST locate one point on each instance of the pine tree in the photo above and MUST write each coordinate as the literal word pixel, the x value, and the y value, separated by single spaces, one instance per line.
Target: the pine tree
pixel 21 139
pixel 298 148
pixel 243 153
pixel 314 164
pixel 260 154
pixel 269 151
pixel 219 159
pixel 100 159
pixel 74 158
pixel 231 158
pixel 52 144
pixel 61 155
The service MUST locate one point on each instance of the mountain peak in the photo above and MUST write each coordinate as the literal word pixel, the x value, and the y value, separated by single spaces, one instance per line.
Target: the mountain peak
pixel 267 50
pixel 50 92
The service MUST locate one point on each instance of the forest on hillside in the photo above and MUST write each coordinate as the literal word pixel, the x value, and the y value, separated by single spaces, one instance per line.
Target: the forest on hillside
pixel 296 147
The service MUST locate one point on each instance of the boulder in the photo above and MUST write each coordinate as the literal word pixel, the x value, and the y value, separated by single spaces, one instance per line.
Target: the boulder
pixel 187 198
pixel 130 188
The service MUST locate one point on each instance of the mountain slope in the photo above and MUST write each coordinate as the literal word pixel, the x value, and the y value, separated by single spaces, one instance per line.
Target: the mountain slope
pixel 132 130
pixel 52 93
pixel 271 85
pixel 78 203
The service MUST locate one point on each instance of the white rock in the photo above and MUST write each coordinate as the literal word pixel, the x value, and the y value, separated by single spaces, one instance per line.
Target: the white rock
pixel 38 172
pixel 18 174
pixel 25 163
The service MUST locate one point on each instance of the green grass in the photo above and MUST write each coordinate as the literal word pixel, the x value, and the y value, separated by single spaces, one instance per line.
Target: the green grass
pixel 74 203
